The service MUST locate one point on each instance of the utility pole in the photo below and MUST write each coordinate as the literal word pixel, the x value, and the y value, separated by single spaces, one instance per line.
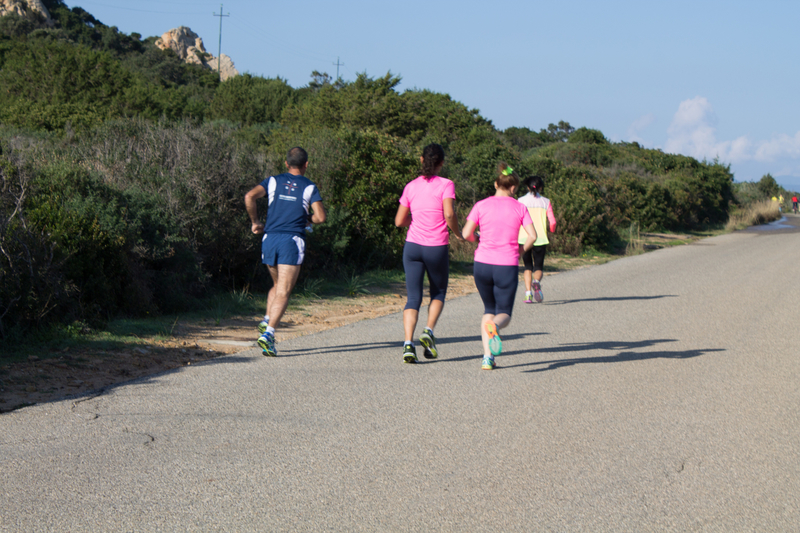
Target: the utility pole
pixel 337 67
pixel 219 50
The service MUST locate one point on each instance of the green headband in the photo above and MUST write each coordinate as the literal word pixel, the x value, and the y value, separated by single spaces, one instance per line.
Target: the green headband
pixel 507 171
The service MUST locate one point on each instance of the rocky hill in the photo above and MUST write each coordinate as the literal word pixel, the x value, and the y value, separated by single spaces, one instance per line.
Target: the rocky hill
pixel 33 9
pixel 189 47
pixel 186 44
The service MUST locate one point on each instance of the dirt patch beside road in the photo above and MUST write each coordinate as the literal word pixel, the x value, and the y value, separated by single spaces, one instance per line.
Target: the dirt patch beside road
pixel 78 371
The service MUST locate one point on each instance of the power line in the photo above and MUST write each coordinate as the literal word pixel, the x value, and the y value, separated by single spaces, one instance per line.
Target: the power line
pixel 219 54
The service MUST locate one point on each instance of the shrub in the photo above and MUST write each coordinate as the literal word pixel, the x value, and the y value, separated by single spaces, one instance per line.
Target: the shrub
pixel 32 285
pixel 251 100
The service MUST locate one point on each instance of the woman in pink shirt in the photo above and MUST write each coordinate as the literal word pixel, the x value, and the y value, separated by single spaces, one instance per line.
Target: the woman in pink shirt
pixel 426 206
pixel 496 266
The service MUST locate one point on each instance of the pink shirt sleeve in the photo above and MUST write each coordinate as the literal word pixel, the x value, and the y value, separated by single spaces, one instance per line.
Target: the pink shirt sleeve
pixel 404 197
pixel 551 217
pixel 449 191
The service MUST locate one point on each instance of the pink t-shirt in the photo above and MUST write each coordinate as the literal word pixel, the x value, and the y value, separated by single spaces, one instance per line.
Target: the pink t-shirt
pixel 499 219
pixel 424 197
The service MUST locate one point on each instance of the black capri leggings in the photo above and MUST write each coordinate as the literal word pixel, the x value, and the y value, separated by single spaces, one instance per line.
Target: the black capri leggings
pixel 417 260
pixel 497 285
pixel 534 258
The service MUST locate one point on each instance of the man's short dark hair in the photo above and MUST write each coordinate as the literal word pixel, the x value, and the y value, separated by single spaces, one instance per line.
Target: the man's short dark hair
pixel 297 157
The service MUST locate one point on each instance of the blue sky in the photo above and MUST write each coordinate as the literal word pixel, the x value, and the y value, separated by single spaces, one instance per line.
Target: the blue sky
pixel 708 79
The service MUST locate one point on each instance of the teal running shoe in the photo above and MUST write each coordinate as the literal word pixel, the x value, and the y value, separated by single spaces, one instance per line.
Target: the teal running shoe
pixel 429 342
pixel 267 344
pixel 488 363
pixel 262 326
pixel 495 344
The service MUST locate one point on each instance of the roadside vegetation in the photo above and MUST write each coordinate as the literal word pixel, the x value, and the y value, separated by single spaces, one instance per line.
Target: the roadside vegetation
pixel 124 169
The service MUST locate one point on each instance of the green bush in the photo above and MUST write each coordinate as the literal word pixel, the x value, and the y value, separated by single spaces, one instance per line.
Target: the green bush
pixel 198 175
pixel 33 287
pixel 587 136
pixel 251 100
pixel 580 210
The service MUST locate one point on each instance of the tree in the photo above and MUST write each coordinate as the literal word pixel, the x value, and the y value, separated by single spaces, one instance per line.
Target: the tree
pixel 558 133
pixel 251 99
pixel 587 136
pixel 768 186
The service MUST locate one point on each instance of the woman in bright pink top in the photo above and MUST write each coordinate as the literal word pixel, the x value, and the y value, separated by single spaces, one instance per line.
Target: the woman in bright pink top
pixel 426 206
pixel 495 270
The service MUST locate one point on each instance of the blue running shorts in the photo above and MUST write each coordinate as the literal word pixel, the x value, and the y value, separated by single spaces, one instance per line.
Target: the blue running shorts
pixel 282 249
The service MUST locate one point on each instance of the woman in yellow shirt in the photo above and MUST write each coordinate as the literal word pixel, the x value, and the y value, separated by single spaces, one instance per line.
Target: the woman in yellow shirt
pixel 541 211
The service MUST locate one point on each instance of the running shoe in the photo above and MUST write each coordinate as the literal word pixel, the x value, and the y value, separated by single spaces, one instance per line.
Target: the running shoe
pixel 537 292
pixel 429 342
pixel 488 363
pixel 495 344
pixel 267 343
pixel 528 297
pixel 409 354
pixel 262 326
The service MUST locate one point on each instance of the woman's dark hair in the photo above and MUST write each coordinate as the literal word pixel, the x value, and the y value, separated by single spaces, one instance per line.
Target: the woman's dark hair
pixel 432 157
pixel 535 184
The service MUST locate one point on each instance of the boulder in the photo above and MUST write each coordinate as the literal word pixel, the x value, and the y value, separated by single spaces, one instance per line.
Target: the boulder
pixel 189 47
pixel 26 8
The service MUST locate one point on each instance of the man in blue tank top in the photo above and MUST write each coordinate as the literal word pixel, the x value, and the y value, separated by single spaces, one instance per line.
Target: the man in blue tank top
pixel 293 202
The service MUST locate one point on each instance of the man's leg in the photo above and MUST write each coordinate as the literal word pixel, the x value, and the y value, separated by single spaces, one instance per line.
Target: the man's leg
pixel 283 278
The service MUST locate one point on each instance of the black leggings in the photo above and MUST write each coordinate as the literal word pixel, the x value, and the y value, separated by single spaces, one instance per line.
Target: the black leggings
pixel 417 260
pixel 534 258
pixel 497 285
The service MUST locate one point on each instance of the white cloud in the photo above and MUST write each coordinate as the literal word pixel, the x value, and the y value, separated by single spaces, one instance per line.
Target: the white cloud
pixel 779 147
pixel 693 132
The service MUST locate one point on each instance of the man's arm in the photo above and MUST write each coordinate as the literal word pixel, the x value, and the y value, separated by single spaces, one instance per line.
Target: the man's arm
pixel 318 217
pixel 252 209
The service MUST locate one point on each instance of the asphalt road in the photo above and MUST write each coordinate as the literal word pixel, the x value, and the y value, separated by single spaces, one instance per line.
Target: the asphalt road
pixel 659 392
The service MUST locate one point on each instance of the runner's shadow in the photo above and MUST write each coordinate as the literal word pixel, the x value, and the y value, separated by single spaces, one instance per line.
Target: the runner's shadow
pixel 576 347
pixel 399 344
pixel 622 357
pixel 610 299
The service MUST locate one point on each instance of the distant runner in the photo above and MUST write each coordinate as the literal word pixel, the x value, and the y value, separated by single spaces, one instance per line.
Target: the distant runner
pixel 794 204
pixel 541 211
